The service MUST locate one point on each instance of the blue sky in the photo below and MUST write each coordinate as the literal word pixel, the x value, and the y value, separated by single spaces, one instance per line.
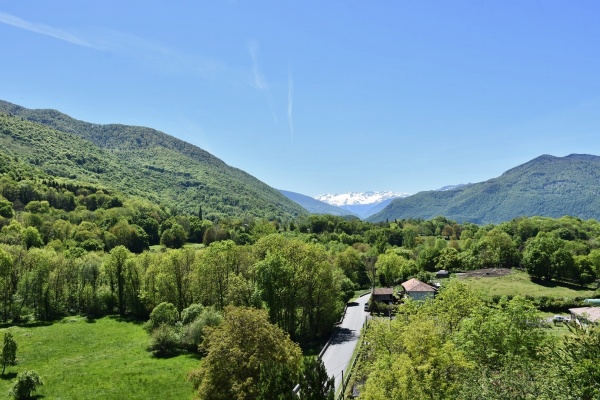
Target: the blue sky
pixel 323 96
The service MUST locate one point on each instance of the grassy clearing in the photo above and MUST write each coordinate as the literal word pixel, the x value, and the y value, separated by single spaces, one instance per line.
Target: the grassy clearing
pixel 157 248
pixel 105 359
pixel 518 283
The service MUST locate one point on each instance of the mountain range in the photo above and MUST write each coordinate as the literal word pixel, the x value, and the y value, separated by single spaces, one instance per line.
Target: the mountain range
pixel 545 186
pixel 315 206
pixel 363 204
pixel 149 164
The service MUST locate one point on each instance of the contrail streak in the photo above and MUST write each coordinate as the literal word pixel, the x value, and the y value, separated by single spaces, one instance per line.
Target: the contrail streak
pixel 290 102
pixel 44 30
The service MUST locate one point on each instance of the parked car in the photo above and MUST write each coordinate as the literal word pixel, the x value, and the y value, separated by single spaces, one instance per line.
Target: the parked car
pixel 560 318
pixel 366 306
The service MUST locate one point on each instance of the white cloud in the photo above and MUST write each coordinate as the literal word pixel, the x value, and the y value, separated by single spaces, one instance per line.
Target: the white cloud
pixel 46 30
pixel 128 45
pixel 260 82
pixel 290 102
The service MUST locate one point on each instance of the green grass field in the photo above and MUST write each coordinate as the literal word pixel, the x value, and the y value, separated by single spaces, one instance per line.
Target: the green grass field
pixel 105 359
pixel 519 283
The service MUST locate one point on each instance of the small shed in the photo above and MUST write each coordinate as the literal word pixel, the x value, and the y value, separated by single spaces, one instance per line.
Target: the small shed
pixel 417 290
pixel 383 295
pixel 442 273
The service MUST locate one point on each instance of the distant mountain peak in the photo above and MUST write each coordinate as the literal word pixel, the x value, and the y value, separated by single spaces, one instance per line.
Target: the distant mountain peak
pixel 359 198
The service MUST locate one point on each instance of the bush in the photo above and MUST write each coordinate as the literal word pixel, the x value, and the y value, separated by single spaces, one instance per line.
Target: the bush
pixel 189 314
pixel 193 333
pixel 165 341
pixel 27 382
pixel 163 314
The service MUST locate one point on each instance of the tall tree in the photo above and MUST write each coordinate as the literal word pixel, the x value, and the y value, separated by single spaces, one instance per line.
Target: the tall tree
pixel 493 335
pixel 6 282
pixel 412 361
pixel 235 352
pixel 315 383
pixel 9 351
pixel 578 361
pixel 277 382
pixel 115 265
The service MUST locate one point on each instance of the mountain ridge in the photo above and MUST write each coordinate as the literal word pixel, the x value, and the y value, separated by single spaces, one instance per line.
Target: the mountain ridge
pixel 363 204
pixel 140 161
pixel 544 186
pixel 315 206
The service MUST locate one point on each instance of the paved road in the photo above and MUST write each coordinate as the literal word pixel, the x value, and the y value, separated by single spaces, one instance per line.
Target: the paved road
pixel 344 339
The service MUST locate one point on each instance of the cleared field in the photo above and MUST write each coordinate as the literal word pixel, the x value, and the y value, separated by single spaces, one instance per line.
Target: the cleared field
pixel 105 359
pixel 515 282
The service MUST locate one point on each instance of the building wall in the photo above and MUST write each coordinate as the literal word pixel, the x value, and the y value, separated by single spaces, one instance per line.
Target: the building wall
pixel 420 295
pixel 386 298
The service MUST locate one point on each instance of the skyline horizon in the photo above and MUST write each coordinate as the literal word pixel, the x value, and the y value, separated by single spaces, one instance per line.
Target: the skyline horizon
pixel 318 98
pixel 315 196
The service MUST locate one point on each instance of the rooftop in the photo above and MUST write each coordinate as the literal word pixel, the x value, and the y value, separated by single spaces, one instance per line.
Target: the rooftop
pixel 415 285
pixel 592 314
pixel 383 291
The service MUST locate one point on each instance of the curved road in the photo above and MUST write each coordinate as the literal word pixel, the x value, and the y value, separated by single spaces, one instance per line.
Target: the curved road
pixel 344 339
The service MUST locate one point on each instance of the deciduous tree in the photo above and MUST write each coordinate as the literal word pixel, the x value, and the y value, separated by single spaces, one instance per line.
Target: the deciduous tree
pixel 315 383
pixel 236 350
pixel 9 351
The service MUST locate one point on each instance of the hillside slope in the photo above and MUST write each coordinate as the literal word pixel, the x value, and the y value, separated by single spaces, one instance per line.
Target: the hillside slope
pixel 139 161
pixel 545 186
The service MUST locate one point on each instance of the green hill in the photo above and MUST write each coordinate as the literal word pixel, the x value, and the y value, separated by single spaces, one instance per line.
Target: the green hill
pixel 137 161
pixel 545 186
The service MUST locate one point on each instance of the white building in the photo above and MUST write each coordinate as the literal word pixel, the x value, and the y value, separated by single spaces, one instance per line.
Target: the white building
pixel 417 290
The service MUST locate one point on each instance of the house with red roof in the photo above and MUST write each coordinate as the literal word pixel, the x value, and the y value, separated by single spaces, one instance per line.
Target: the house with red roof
pixel 417 290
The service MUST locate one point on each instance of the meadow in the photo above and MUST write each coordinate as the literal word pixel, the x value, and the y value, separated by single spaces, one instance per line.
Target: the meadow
pixel 103 359
pixel 519 283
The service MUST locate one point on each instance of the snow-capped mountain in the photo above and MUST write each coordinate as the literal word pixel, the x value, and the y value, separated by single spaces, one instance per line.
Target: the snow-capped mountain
pixel 363 198
pixel 364 204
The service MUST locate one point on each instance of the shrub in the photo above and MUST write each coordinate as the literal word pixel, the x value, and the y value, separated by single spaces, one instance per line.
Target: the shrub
pixel 27 382
pixel 165 341
pixel 164 313
pixel 189 314
pixel 193 333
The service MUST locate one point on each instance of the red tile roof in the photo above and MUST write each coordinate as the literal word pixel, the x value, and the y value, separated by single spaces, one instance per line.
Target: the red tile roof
pixel 415 285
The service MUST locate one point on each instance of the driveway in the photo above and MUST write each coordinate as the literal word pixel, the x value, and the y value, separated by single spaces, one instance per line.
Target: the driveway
pixel 344 339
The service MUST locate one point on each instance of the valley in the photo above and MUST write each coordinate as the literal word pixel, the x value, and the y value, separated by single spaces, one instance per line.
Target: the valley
pixel 155 259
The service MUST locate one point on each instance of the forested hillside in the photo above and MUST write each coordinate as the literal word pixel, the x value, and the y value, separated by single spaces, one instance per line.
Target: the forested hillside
pixel 546 186
pixel 138 161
